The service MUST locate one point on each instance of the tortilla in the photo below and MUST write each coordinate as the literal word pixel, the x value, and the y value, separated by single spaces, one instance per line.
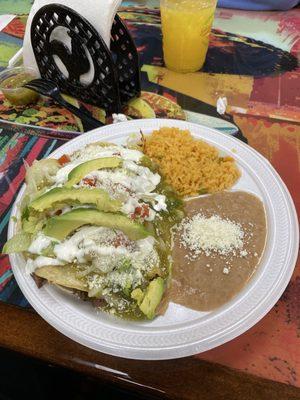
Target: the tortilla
pixel 62 275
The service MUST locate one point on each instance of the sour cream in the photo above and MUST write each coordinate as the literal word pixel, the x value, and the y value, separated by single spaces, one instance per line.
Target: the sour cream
pixel 130 205
pixel 69 250
pixel 97 152
pixel 40 261
pixel 143 183
pixel 158 200
pixel 94 241
pixel 92 152
pixel 40 243
pixel 62 174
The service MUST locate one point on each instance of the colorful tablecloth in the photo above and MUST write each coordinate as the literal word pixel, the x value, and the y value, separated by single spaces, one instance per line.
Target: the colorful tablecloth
pixel 253 61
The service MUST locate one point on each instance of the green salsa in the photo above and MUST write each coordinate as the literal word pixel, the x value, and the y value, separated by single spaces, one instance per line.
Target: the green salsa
pixel 15 93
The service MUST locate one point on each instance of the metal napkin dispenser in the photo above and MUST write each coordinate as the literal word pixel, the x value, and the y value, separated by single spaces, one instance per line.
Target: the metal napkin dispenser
pixel 86 68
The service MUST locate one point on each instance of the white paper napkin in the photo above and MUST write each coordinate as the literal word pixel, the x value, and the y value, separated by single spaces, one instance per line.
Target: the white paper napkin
pixel 100 13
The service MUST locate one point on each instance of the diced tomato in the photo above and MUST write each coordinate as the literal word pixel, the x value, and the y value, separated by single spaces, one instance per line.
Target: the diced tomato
pixel 145 212
pixel 117 242
pixel 141 211
pixel 138 210
pixel 89 181
pixel 120 241
pixel 64 159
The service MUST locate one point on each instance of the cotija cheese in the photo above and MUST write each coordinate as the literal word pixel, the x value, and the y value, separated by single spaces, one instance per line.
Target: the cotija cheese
pixel 211 235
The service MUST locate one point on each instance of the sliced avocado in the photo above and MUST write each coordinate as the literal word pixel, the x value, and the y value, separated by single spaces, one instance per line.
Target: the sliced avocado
pixel 33 223
pixel 85 168
pixel 18 243
pixel 61 226
pixel 138 295
pixel 63 195
pixel 63 275
pixel 152 297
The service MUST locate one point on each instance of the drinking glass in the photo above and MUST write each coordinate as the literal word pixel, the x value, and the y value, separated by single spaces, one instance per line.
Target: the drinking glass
pixel 186 26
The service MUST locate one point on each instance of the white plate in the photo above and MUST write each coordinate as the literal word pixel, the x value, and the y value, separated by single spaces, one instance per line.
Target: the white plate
pixel 181 331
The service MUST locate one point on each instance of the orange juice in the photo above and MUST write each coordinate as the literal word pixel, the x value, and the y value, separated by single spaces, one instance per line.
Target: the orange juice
pixel 186 25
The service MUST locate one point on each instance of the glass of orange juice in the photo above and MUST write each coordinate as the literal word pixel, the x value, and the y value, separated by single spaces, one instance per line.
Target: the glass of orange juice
pixel 186 25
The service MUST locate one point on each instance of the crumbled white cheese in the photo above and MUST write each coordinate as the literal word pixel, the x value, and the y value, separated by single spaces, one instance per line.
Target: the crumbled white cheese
pixel 116 280
pixel 213 234
pixel 122 280
pixel 225 271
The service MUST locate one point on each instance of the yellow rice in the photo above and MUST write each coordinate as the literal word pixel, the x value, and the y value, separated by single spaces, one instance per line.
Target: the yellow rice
pixel 191 166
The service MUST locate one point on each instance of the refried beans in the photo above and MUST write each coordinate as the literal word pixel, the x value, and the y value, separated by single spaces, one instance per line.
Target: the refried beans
pixel 205 280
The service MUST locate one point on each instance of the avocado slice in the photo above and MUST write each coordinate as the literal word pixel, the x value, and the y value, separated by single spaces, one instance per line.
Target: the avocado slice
pixel 61 226
pixel 63 195
pixel 138 295
pixel 85 168
pixel 18 243
pixel 152 298
pixel 33 223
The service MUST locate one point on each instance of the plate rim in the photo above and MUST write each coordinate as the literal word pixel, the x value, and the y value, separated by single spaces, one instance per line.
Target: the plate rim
pixel 189 348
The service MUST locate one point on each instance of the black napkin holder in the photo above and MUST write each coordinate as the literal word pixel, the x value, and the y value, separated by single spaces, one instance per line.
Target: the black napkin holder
pixel 116 77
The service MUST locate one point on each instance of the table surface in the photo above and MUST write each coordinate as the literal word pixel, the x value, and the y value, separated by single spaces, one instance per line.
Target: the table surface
pixel 252 60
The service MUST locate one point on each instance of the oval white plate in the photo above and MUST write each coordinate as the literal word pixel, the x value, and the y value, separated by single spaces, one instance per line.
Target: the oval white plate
pixel 181 331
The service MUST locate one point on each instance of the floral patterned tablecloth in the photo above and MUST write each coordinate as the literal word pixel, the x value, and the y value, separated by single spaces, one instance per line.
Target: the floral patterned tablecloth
pixel 253 61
